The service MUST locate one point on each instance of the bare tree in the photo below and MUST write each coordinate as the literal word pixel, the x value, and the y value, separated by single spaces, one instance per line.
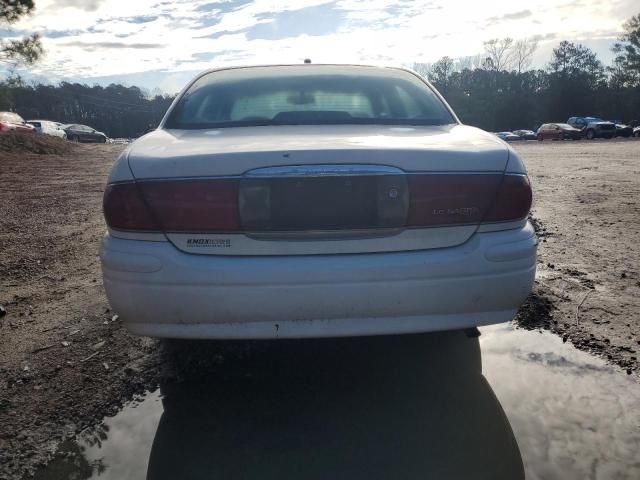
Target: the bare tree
pixel 499 54
pixel 440 72
pixel 422 69
pixel 523 51
pixel 470 62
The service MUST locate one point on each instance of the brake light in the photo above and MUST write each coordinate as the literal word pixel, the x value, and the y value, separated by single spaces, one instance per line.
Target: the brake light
pixel 4 127
pixel 173 206
pixel 458 199
pixel 124 209
pixel 448 199
pixel 513 200
pixel 194 205
pixel 213 205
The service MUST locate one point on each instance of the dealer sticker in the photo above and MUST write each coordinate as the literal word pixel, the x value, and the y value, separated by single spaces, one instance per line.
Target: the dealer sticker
pixel 208 243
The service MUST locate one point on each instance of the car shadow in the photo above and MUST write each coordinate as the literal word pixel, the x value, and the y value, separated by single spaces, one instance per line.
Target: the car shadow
pixel 393 407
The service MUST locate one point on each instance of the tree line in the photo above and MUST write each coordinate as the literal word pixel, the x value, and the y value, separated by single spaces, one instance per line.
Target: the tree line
pixel 497 90
pixel 116 110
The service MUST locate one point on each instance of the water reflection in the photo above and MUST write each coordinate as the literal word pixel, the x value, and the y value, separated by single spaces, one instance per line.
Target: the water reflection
pixel 383 407
pixel 395 407
pixel 574 415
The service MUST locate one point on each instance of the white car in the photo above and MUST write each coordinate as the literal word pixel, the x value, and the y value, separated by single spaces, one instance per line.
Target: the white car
pixel 508 136
pixel 47 127
pixel 315 201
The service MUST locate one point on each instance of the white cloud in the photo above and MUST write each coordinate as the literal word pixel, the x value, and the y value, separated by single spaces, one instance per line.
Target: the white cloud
pixel 108 37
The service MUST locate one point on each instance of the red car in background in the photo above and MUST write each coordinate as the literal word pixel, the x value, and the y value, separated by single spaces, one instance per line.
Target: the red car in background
pixel 12 122
pixel 558 131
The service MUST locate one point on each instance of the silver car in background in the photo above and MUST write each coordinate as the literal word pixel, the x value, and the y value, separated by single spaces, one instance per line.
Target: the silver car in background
pixel 48 127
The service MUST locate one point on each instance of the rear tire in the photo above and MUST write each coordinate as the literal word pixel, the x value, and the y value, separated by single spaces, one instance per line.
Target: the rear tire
pixel 591 134
pixel 540 137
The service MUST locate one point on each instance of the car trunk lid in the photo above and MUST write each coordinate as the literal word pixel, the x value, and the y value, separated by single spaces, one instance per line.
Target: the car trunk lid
pixel 318 190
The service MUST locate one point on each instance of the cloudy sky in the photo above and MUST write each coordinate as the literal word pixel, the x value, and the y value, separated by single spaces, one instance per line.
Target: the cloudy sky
pixel 156 43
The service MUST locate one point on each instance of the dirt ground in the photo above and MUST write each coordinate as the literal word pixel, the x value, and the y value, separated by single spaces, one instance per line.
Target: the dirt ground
pixel 65 360
pixel 587 213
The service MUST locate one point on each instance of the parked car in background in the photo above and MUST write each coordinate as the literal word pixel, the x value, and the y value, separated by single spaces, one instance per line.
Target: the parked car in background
pixel 315 201
pixel 120 141
pixel 85 134
pixel 526 134
pixel 593 127
pixel 12 122
pixel 558 131
pixel 623 130
pixel 47 127
pixel 508 136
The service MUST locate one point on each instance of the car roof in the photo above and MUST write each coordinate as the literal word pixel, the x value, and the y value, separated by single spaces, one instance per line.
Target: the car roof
pixel 310 66
pixel 302 67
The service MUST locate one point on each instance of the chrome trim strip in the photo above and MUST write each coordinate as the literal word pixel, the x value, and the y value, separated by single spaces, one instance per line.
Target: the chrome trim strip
pixel 390 172
pixel 323 170
pixel 347 234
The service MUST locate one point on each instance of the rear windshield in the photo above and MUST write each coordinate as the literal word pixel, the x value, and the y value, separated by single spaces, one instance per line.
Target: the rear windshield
pixel 307 96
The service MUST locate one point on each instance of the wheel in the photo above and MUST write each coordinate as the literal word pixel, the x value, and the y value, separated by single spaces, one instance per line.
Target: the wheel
pixel 76 139
pixel 540 137
pixel 64 136
pixel 591 134
pixel 637 134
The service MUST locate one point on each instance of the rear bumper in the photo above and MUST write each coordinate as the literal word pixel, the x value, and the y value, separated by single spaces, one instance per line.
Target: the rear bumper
pixel 159 291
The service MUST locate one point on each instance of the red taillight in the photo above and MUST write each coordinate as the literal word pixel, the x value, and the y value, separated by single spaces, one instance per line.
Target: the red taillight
pixel 212 205
pixel 513 200
pixel 124 208
pixel 449 199
pixel 457 199
pixel 194 205
pixel 173 206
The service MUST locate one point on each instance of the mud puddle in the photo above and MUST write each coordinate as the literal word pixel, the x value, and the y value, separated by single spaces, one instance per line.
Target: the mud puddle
pixel 395 407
